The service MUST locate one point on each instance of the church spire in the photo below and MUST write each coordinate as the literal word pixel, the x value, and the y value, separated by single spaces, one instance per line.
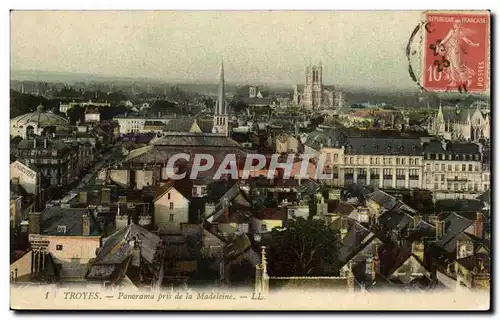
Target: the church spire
pixel 221 108
pixel 220 115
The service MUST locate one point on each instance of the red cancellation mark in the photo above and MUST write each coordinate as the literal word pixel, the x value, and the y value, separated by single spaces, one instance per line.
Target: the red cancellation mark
pixel 456 52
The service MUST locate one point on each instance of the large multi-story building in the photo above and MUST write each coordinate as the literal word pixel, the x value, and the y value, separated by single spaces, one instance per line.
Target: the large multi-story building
pixel 60 163
pixel 454 170
pixel 314 95
pixel 449 169
pixel 380 162
pixel 35 123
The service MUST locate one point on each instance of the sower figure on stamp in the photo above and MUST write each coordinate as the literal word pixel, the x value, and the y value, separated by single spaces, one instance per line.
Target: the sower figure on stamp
pixel 458 72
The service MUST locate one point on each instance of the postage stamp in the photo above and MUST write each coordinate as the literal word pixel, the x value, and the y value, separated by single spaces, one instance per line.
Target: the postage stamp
pixel 456 51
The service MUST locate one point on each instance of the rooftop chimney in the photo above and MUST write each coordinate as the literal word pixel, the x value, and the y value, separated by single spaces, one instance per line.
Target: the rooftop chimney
pixel 34 219
pixel 417 218
pixel 439 228
pixel 376 263
pixel 479 225
pixel 85 224
pixel 82 197
pixel 105 195
pixel 417 249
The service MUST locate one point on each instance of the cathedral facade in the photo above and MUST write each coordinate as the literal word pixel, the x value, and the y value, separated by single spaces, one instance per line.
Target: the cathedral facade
pixel 465 124
pixel 314 95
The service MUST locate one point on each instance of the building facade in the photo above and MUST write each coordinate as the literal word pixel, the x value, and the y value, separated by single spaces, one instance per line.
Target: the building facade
pixel 454 170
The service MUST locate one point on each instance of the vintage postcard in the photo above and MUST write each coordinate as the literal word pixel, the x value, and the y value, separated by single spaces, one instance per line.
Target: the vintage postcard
pixel 250 160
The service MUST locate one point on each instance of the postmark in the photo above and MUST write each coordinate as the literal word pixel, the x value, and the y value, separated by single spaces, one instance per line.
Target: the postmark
pixel 456 51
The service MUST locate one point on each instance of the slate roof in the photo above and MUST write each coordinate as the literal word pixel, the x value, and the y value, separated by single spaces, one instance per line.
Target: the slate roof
pixel 179 125
pixel 454 114
pixel 454 224
pixel 459 205
pixel 485 197
pixel 52 217
pixel 385 200
pixel 117 249
pixel 395 220
pixel 383 146
pixel 392 257
pixel 51 144
pixel 353 241
pixel 436 147
pixel 476 261
pixel 344 208
pixel 194 140
pixel 326 138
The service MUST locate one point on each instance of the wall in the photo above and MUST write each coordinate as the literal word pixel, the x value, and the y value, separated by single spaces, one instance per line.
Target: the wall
pixel 15 212
pixel 75 254
pixel 270 224
pixel 121 177
pixel 298 211
pixel 180 211
pixel 23 265
pixel 143 178
pixel 409 270
pixel 27 177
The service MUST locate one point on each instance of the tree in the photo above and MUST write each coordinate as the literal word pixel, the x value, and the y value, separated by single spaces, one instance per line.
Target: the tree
pixel 305 248
pixel 76 113
pixel 238 106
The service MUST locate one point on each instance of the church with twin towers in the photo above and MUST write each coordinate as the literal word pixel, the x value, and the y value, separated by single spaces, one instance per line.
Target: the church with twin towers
pixel 313 95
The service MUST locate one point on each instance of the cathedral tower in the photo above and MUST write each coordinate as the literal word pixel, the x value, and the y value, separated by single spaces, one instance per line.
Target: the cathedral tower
pixel 313 90
pixel 220 117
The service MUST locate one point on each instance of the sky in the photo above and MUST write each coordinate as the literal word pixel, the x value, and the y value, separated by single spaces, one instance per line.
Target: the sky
pixel 357 48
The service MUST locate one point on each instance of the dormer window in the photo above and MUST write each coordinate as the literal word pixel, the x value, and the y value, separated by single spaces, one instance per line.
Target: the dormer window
pixel 61 229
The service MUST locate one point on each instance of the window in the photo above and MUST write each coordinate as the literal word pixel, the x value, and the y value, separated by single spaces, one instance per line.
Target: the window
pixel 442 177
pixel 436 186
pixel 168 196
pixel 476 186
pixel 436 167
pixel 464 167
pixel 59 247
pixel 335 157
pixel 398 161
pixel 377 160
pixel 171 205
pixel 449 167
pixel 442 167
pixel 449 186
pixel 171 218
pixel 403 161
pixel 410 161
pixel 457 167
pixel 476 167
pixel 470 167
pixel 263 228
pixel 61 229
